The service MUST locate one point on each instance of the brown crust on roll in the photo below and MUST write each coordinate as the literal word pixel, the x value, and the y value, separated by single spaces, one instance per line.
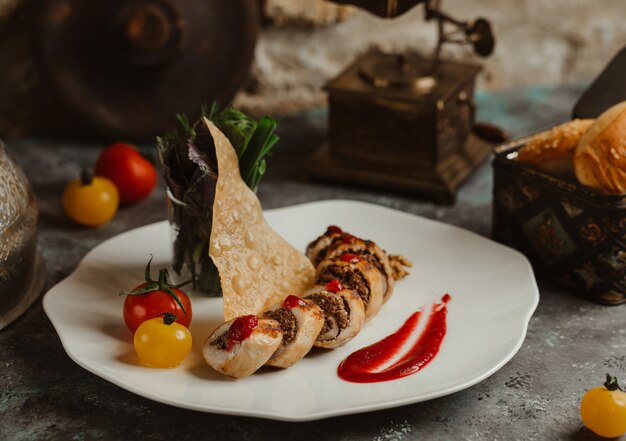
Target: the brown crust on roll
pixel 553 150
pixel 600 159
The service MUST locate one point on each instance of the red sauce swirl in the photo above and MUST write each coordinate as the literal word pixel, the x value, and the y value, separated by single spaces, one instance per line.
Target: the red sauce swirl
pixel 366 365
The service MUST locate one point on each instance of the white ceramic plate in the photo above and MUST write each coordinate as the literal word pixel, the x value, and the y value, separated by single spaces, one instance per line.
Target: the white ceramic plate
pixel 493 291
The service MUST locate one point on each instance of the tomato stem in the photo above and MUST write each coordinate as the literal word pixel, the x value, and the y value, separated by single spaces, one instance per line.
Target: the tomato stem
pixel 169 318
pixel 611 383
pixel 86 176
pixel 161 284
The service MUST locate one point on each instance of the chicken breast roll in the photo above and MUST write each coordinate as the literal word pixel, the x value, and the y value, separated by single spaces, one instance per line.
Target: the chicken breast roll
pixel 241 346
pixel 316 250
pixel 369 251
pixel 301 322
pixel 344 313
pixel 358 274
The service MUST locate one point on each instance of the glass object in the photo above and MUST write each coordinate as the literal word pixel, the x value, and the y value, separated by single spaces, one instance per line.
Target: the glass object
pixel 21 269
pixel 190 234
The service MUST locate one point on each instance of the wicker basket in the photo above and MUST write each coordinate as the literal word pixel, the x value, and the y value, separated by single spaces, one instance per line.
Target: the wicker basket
pixel 574 236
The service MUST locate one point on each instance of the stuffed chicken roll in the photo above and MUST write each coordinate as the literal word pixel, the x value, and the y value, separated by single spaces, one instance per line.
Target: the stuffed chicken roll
pixel 316 250
pixel 369 251
pixel 301 322
pixel 344 313
pixel 355 273
pixel 241 346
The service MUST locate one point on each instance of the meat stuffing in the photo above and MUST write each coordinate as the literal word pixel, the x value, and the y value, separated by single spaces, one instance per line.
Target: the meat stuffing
pixel 359 275
pixel 287 322
pixel 332 305
pixel 344 315
pixel 349 277
pixel 367 250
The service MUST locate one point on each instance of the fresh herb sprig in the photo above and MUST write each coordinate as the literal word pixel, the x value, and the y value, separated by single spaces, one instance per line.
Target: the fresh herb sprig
pixel 253 140
pixel 190 170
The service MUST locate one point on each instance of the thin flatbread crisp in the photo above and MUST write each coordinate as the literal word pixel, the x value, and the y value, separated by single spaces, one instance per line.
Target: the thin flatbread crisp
pixel 257 267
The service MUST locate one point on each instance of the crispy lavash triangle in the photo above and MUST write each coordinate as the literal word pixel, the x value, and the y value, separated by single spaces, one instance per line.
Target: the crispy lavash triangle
pixel 257 267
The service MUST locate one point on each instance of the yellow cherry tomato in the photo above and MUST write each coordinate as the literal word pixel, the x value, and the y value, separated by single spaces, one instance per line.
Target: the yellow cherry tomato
pixel 603 409
pixel 91 200
pixel 161 342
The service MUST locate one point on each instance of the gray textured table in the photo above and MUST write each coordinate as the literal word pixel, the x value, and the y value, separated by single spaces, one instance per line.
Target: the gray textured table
pixel 571 343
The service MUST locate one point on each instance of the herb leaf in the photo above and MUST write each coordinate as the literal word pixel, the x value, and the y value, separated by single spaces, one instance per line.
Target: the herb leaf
pixel 190 169
pixel 261 143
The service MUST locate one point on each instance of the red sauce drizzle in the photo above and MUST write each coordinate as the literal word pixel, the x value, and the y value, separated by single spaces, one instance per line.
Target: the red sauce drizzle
pixel 351 258
pixel 292 301
pixel 334 286
pixel 333 229
pixel 241 329
pixel 363 366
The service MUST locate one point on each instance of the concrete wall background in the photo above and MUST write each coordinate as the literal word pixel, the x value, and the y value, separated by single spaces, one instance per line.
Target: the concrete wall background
pixel 538 42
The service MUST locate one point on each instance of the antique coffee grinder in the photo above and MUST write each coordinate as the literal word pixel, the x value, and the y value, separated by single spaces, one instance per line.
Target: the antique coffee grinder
pixel 404 121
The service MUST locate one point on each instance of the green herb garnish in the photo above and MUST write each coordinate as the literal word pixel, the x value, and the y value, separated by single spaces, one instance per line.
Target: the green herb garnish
pixel 190 170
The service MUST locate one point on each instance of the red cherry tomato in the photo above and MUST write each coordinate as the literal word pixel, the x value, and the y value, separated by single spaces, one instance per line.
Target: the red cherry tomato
pixel 139 308
pixel 153 298
pixel 133 175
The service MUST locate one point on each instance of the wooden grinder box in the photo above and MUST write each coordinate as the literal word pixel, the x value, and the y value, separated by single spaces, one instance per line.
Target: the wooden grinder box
pixel 402 138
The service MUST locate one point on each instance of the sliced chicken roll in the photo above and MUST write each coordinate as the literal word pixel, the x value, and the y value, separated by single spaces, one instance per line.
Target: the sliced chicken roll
pixel 356 273
pixel 344 313
pixel 369 251
pixel 242 345
pixel 316 250
pixel 301 322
